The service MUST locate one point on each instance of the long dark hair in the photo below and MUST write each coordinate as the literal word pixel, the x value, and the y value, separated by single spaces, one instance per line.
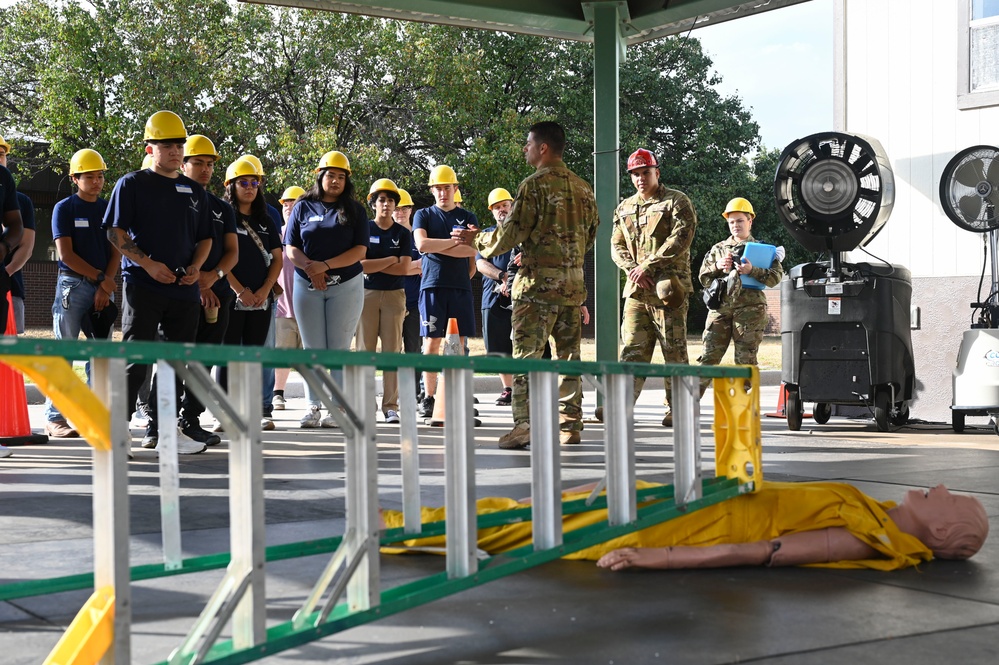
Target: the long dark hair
pixel 258 207
pixel 347 204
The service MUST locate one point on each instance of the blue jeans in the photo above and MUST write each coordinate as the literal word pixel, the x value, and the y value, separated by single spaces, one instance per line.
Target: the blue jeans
pixel 328 319
pixel 267 373
pixel 74 297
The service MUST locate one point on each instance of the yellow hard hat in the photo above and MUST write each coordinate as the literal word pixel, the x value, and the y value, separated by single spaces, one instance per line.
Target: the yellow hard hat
pixel 383 185
pixel 443 175
pixel 86 160
pixel 457 196
pixel 334 159
pixel 739 204
pixel 198 145
pixel 239 168
pixel 6 146
pixel 405 200
pixel 164 126
pixel 498 195
pixel 291 194
pixel 253 159
pixel 147 162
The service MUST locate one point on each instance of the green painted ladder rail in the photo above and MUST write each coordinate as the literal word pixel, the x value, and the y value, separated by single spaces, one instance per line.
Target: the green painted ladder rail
pixel 349 590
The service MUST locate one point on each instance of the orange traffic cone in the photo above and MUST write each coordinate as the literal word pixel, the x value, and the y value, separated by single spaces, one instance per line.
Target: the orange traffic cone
pixel 452 347
pixel 15 428
pixel 781 411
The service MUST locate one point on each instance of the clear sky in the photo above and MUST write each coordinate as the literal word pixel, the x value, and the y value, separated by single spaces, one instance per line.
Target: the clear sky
pixel 780 63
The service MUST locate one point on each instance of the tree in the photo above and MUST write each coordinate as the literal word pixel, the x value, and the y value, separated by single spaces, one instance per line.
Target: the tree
pixel 397 98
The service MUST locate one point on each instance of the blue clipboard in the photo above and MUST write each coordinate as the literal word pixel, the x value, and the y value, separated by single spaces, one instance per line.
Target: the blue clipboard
pixel 761 256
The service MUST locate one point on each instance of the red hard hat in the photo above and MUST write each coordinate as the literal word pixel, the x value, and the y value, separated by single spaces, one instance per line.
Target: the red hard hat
pixel 640 159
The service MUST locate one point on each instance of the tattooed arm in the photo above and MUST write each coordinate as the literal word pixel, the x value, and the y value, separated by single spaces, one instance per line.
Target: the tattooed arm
pixel 122 241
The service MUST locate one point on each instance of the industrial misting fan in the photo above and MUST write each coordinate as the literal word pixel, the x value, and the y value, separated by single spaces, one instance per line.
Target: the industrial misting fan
pixel 844 326
pixel 969 194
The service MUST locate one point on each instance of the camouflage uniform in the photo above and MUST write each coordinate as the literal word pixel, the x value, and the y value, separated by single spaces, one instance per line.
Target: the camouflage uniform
pixel 554 220
pixel 655 234
pixel 743 318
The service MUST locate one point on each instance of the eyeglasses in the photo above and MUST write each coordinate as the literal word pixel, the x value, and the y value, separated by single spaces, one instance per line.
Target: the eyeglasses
pixel 247 184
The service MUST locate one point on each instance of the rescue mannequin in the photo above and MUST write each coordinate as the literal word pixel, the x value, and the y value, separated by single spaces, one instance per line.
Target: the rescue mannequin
pixel 784 524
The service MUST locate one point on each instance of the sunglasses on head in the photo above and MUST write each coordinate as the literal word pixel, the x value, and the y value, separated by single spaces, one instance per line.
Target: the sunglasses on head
pixel 247 184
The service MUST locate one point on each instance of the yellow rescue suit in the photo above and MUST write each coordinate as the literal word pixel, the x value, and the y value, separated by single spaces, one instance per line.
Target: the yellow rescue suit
pixel 776 510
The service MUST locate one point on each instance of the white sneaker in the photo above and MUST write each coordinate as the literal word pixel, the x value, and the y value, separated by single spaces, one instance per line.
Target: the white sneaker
pixel 278 403
pixel 187 446
pixel 266 424
pixel 5 451
pixel 391 416
pixel 329 422
pixel 312 418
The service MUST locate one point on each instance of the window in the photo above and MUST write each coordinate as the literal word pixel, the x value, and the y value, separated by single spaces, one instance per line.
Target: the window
pixel 978 56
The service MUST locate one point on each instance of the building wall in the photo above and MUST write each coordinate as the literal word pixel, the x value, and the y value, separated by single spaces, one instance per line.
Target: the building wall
pixel 897 80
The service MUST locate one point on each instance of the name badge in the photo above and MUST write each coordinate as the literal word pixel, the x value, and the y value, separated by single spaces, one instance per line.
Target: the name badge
pixel 241 231
pixel 185 189
pixel 374 240
pixel 316 218
pixel 81 223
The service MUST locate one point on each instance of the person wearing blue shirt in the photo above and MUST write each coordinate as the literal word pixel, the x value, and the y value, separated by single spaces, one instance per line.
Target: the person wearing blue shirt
pixel 160 221
pixel 87 263
pixel 200 158
pixel 497 308
pixel 12 227
pixel 446 287
pixel 403 215
pixel 326 238
pixel 16 259
pixel 252 279
pixel 385 269
pixel 12 230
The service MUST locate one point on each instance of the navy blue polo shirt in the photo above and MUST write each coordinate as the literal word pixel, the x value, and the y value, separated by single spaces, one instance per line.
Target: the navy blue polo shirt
pixel 223 222
pixel 489 296
pixel 28 220
pixel 316 229
pixel 251 269
pixel 440 270
pixel 8 192
pixel 396 240
pixel 81 222
pixel 166 218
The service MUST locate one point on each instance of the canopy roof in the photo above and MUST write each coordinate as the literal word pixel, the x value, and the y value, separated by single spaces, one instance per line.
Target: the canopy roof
pixel 642 20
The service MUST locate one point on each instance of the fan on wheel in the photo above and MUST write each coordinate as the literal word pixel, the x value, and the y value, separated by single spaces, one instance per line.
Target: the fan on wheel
pixel 969 195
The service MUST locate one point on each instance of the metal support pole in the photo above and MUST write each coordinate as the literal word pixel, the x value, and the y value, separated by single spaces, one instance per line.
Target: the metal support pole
pixel 246 505
pixel 546 480
pixel 409 450
pixel 608 54
pixel 619 446
pixel 459 475
pixel 686 439
pixel 361 539
pixel 166 449
pixel 110 505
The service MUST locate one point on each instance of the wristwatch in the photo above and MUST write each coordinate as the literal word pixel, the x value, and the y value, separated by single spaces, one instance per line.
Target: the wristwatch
pixel 100 278
pixel 220 273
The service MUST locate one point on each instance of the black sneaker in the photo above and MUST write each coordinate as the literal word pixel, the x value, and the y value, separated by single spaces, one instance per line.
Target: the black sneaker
pixel 505 398
pixel 426 409
pixel 197 433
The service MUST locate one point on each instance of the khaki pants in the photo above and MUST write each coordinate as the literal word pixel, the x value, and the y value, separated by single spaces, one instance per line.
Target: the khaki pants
pixel 381 318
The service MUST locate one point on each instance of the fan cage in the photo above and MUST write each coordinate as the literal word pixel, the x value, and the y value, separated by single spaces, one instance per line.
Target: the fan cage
pixel 952 192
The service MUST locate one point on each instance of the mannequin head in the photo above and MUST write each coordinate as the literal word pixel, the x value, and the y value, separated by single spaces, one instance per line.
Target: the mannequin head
pixel 954 526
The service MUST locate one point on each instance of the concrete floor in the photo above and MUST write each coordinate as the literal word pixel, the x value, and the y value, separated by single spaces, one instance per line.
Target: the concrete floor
pixel 568 612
